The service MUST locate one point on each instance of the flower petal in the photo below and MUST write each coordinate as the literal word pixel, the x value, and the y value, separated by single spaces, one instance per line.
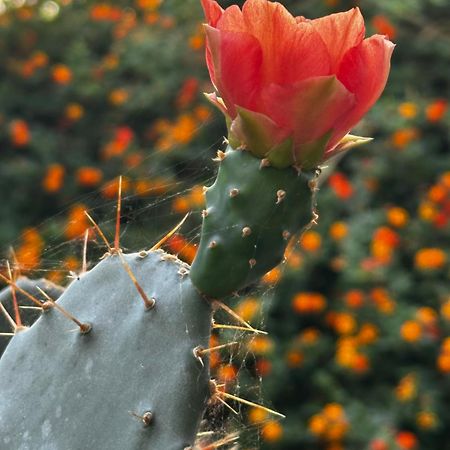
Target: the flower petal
pixel 213 11
pixel 237 78
pixel 310 108
pixel 340 32
pixel 364 72
pixel 292 50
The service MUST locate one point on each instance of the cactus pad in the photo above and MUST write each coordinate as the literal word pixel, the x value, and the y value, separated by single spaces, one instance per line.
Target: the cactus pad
pixel 252 211
pixel 28 315
pixel 87 391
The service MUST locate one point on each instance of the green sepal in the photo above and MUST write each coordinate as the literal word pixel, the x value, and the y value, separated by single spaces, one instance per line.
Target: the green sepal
pixel 281 156
pixel 311 154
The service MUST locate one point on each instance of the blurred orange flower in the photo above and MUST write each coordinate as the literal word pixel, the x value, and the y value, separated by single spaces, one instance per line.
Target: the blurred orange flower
pixel 61 74
pixel 54 178
pixel 89 176
pixel 19 133
pixel 430 258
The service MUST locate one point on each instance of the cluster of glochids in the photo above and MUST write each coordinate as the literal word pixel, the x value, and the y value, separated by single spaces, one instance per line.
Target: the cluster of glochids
pixel 154 365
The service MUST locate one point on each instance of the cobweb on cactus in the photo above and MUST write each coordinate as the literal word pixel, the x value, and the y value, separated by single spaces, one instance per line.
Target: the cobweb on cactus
pixel 146 216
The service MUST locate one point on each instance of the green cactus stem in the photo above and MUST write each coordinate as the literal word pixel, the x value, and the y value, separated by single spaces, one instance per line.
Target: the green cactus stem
pixel 252 211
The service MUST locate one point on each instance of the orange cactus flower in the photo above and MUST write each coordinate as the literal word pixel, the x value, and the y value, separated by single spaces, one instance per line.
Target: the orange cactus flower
pixel 61 74
pixel 333 71
pixel 54 178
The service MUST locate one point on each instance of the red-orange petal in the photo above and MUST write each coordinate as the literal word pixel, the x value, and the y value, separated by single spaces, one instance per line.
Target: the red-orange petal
pixel 340 32
pixel 237 78
pixel 286 44
pixel 213 11
pixel 310 108
pixel 364 71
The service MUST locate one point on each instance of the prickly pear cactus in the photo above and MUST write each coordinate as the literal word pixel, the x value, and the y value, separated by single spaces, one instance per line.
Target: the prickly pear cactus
pixel 252 211
pixel 28 316
pixel 133 381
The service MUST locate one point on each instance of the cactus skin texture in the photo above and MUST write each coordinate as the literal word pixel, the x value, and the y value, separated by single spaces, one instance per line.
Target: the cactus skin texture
pixel 252 210
pixel 62 389
pixel 28 316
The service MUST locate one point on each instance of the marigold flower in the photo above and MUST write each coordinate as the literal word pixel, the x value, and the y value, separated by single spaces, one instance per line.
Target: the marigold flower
pixel 408 110
pixel 341 185
pixel 411 331
pixel 383 26
pixel 397 217
pixel 303 83
pixel 403 137
pixel 368 334
pixel 257 415
pixel 435 111
pixel 20 133
pixel 338 231
pixel 406 440
pixel 430 258
pixel 248 308
pixel 89 176
pixel 272 431
pixel 118 96
pixel 295 358
pixel 74 111
pixel 61 74
pixel 354 298
pixel 77 222
pixel 54 178
pixel 260 345
pixel 426 420
pixel 308 302
pixel 311 241
pixel 227 373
